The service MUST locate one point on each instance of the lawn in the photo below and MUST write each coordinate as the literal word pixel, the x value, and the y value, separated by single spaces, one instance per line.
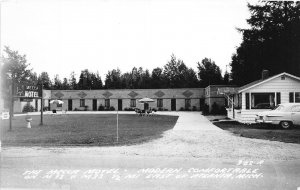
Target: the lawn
pixel 84 129
pixel 258 131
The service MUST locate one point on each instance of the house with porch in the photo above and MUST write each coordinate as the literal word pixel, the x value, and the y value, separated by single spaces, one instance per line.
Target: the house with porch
pixel 262 95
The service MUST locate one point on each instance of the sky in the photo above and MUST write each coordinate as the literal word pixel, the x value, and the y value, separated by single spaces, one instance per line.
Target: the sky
pixel 61 36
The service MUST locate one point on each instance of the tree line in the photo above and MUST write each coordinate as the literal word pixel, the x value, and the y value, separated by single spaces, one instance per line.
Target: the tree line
pixel 174 74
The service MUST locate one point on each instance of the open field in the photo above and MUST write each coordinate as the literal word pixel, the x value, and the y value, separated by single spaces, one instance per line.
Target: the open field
pixel 258 131
pixel 83 129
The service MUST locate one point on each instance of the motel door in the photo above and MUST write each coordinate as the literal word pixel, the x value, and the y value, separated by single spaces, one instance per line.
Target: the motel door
pixel 202 103
pixel 120 104
pixel 94 104
pixel 70 106
pixel 146 106
pixel 173 104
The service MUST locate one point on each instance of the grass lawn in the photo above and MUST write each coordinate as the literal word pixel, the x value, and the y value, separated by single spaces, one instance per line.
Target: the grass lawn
pixel 91 130
pixel 257 131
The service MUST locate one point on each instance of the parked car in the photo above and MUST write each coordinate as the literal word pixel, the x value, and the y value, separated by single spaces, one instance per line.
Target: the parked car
pixel 285 115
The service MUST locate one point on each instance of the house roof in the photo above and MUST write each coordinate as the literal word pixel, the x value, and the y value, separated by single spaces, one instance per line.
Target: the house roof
pixel 258 82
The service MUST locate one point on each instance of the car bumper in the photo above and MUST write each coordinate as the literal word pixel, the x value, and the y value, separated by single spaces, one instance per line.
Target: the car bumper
pixel 275 121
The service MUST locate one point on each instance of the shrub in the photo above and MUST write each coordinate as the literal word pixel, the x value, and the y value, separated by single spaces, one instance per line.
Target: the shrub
pixel 194 108
pixel 129 109
pixel 28 108
pixel 101 108
pixel 223 110
pixel 112 108
pixel 215 108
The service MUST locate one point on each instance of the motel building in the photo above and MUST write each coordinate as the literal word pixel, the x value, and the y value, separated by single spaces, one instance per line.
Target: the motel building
pixel 182 99
pixel 117 99
pixel 127 99
pixel 242 103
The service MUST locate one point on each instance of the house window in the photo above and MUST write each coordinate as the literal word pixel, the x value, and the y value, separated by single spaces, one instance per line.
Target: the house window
pixel 187 103
pixel 247 101
pixel 160 103
pixel 294 97
pixel 262 100
pixel 291 97
pixel 238 105
pixel 297 97
pixel 82 102
pixel 278 98
pixel 107 103
pixel 133 103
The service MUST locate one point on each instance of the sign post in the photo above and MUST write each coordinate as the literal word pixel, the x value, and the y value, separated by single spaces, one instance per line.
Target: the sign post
pixel 42 105
pixel 117 126
pixel 11 106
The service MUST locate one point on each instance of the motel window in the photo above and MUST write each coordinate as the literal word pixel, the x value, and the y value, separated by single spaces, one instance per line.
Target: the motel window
pixel 36 104
pixel 82 102
pixel 262 100
pixel 187 103
pixel 160 103
pixel 107 103
pixel 133 103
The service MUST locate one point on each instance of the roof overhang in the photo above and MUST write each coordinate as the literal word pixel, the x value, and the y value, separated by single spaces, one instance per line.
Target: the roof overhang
pixel 271 78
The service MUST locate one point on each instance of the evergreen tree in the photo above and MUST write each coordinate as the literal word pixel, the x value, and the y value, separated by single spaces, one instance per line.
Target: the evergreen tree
pixel 72 81
pixel 209 73
pixel 272 42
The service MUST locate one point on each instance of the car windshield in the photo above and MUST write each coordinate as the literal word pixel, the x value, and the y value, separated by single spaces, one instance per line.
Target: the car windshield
pixel 279 108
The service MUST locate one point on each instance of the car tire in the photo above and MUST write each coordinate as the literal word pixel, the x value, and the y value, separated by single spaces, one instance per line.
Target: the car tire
pixel 286 124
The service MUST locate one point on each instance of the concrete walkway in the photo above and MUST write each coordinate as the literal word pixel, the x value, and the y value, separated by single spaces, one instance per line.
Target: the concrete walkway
pixel 190 121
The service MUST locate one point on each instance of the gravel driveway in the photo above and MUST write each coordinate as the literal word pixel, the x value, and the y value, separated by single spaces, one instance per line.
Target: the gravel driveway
pixel 193 136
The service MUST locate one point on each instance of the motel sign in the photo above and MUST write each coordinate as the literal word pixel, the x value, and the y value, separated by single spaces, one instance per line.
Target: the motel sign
pixel 28 91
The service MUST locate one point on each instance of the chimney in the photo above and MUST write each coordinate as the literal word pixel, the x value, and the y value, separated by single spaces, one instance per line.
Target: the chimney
pixel 264 74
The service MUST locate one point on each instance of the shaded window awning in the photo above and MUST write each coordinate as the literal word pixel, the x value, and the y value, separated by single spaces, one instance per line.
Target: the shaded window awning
pixel 227 90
